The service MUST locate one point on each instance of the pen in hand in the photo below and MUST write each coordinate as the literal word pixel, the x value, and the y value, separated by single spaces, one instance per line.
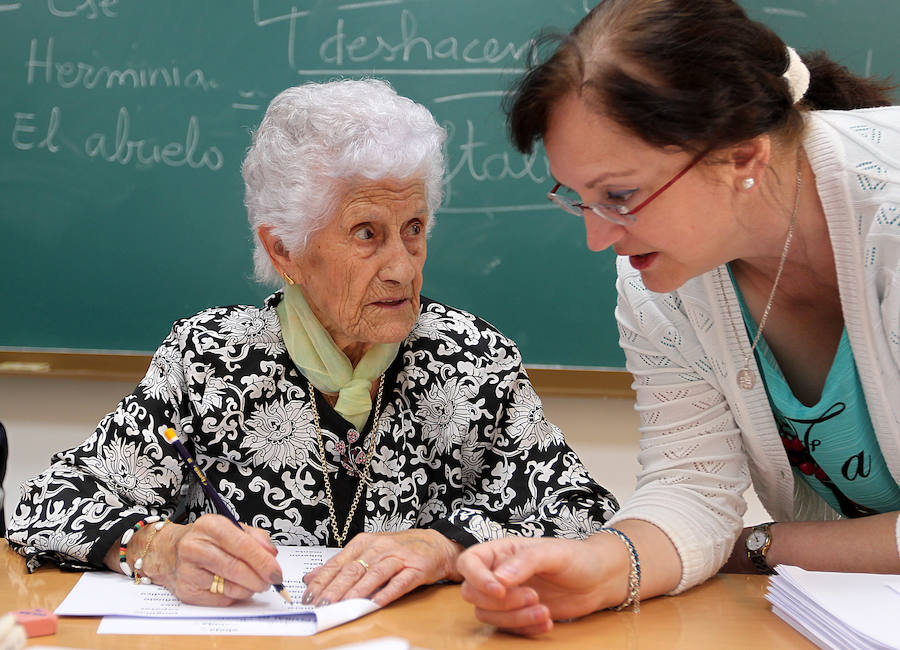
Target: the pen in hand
pixel 223 509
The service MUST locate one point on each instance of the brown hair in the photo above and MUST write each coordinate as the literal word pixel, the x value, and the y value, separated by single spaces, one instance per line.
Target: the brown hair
pixel 695 74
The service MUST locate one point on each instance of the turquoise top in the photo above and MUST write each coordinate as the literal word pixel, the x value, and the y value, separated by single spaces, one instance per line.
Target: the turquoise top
pixel 831 444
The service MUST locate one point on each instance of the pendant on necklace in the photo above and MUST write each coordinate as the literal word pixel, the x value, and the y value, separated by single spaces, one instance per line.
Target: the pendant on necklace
pixel 746 378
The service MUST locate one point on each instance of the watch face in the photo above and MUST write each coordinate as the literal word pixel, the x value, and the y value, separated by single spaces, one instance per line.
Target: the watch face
pixel 756 540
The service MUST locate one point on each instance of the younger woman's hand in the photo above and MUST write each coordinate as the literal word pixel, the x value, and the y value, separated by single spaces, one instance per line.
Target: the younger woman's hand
pixel 523 584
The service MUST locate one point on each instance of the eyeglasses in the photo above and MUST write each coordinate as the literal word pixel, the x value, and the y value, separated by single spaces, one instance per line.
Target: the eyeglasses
pixel 613 212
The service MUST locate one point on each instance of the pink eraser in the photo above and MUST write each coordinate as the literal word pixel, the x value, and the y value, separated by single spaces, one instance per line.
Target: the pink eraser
pixel 37 622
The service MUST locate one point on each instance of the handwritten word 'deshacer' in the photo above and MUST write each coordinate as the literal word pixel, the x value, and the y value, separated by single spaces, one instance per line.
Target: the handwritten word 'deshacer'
pixel 123 150
pixel 340 48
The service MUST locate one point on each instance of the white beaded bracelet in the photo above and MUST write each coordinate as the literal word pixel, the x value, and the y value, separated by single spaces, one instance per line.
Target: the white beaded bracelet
pixel 123 545
pixel 139 563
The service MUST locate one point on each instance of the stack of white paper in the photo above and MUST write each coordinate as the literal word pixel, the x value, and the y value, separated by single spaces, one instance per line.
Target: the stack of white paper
pixel 849 611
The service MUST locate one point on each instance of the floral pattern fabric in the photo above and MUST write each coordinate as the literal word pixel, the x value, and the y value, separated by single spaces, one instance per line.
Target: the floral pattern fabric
pixel 462 445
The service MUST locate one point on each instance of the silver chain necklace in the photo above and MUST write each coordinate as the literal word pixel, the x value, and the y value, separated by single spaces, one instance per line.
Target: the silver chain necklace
pixel 745 377
pixel 339 538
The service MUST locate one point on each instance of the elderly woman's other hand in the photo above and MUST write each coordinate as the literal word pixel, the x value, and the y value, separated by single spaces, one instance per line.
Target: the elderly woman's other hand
pixel 523 584
pixel 383 566
pixel 188 558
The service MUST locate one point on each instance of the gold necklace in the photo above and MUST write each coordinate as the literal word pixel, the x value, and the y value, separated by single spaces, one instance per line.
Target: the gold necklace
pixel 339 538
pixel 745 377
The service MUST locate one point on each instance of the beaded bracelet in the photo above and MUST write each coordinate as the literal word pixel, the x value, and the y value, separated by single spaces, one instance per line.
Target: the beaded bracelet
pixel 123 546
pixel 634 576
pixel 139 563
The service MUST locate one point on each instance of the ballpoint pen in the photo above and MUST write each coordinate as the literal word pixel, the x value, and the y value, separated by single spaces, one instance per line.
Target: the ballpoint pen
pixel 223 509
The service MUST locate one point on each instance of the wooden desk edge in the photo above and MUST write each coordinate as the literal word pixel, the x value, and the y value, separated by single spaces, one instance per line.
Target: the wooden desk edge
pixel 131 366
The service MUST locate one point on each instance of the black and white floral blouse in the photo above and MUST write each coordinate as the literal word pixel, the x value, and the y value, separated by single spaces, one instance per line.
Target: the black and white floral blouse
pixel 462 445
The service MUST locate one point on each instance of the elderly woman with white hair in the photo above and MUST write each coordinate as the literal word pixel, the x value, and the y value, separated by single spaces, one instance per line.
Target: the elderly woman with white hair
pixel 347 409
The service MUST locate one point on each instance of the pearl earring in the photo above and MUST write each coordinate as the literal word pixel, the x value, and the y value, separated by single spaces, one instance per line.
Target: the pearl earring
pixel 749 183
pixel 288 279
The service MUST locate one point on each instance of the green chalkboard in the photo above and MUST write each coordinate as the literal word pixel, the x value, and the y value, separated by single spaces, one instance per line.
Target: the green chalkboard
pixel 123 124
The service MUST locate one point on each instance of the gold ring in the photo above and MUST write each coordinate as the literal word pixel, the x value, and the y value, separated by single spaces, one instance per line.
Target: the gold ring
pixel 365 565
pixel 218 585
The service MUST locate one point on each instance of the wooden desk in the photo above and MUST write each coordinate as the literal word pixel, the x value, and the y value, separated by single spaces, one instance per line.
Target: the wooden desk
pixel 728 611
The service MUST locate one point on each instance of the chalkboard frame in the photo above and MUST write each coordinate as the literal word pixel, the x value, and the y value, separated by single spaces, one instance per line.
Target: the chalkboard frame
pixel 571 382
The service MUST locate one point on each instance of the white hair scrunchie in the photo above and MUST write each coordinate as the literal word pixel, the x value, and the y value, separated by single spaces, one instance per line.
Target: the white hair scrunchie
pixel 796 75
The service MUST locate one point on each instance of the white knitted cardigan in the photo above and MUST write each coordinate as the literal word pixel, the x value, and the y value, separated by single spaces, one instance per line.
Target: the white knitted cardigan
pixel 702 437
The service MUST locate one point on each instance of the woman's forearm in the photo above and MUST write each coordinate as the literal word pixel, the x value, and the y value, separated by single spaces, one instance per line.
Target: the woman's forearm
pixel 864 545
pixel 660 562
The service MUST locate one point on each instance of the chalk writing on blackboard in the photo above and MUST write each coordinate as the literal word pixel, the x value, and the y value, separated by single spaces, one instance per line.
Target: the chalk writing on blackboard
pixel 122 149
pixel 90 9
pixel 120 146
pixel 67 73
pixel 25 135
pixel 340 50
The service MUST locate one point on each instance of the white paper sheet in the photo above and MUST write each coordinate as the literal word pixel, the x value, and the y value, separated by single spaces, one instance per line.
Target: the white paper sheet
pixel 305 624
pixel 128 608
pixel 838 610
pixel 103 593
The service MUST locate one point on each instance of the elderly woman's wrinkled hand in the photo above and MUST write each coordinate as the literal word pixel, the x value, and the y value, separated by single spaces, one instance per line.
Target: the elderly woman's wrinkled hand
pixel 193 555
pixel 383 566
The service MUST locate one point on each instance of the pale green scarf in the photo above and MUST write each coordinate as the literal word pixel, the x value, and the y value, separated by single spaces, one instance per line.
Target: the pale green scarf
pixel 321 361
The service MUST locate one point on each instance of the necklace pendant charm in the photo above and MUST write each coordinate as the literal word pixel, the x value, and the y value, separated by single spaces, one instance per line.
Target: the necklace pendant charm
pixel 746 378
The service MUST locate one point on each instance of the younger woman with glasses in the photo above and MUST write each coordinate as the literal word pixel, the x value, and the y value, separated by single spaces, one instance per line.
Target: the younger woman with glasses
pixel 753 198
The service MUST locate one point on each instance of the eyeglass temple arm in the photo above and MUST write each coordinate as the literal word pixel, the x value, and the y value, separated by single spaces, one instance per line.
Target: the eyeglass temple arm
pixel 667 185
